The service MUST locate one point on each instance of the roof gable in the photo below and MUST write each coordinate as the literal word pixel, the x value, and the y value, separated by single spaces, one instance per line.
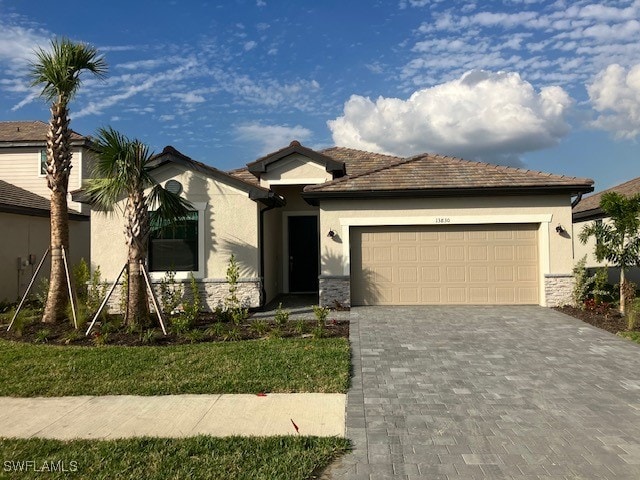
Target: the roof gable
pixel 170 155
pixel 262 164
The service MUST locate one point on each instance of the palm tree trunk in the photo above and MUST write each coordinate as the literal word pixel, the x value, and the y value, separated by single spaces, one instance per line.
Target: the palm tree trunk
pixel 137 235
pixel 58 167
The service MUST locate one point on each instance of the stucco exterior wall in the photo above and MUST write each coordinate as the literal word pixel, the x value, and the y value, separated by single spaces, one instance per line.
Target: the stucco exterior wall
pixel 21 167
pixel 229 224
pixel 294 170
pixel 555 250
pixel 24 235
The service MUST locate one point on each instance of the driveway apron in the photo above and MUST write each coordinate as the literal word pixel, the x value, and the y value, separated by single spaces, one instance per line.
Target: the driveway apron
pixel 489 392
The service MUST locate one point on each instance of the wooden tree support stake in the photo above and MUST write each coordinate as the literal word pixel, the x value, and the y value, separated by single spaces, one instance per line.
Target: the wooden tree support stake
pixel 66 271
pixel 106 299
pixel 24 297
pixel 153 297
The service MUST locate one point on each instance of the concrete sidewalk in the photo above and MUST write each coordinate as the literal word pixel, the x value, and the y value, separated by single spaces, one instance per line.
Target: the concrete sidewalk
pixel 173 416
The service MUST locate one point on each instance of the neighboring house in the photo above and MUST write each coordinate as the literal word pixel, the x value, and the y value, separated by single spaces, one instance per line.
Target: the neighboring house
pixel 362 228
pixel 24 204
pixel 25 226
pixel 588 211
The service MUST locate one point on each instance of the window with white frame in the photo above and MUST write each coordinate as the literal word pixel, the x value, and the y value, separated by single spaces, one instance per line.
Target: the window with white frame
pixel 43 162
pixel 174 246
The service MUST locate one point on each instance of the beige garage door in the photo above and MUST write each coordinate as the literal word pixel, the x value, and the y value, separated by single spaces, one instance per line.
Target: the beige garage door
pixel 458 264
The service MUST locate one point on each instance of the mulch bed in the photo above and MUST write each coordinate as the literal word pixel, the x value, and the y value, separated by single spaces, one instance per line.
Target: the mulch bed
pixel 611 320
pixel 207 329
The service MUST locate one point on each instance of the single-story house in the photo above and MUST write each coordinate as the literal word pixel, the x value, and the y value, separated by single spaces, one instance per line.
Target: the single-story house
pixel 588 211
pixel 362 228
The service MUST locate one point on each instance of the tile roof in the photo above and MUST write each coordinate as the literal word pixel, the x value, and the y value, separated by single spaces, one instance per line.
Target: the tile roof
pixel 379 173
pixel 18 200
pixel 34 131
pixel 13 196
pixel 591 205
pixel 245 175
pixel 358 162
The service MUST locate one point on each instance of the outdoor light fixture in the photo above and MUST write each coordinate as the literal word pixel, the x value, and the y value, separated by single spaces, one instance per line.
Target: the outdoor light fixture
pixel 560 229
pixel 331 233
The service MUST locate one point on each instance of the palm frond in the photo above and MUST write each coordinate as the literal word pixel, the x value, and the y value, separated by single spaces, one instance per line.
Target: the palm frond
pixel 58 70
pixel 169 207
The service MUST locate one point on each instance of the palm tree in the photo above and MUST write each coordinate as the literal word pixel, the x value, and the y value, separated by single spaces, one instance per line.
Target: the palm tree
pixel 58 73
pixel 123 170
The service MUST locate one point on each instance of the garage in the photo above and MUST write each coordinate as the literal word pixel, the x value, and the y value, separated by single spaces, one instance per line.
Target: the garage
pixel 450 264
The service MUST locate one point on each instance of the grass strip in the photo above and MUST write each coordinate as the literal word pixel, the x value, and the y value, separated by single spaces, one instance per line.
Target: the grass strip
pixel 201 457
pixel 272 365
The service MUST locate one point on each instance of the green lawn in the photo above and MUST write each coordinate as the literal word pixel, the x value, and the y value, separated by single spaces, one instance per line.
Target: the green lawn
pixel 272 458
pixel 274 365
pixel 633 336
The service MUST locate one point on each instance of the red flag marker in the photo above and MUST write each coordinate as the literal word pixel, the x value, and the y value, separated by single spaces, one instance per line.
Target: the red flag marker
pixel 261 394
pixel 295 426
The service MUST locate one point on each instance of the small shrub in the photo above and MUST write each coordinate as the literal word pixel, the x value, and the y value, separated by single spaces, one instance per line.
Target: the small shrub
pixel 599 290
pixel 282 316
pixel 300 326
pixel 81 277
pixel 239 315
pixel 633 314
pixel 232 301
pixel 321 313
pixel 100 338
pixel 233 334
pixel 109 327
pixel 260 327
pixel 275 332
pixel 601 308
pixel 40 295
pixel 194 335
pixel 215 330
pixel 181 324
pixel 42 336
pixel 193 306
pixel 319 331
pixel 170 293
pixel 71 336
pixel 582 282
pixel 148 336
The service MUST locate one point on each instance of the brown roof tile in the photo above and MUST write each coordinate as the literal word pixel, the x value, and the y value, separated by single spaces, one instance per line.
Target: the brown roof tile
pixel 374 172
pixel 35 131
pixel 16 199
pixel 591 204
pixel 358 162
pixel 245 175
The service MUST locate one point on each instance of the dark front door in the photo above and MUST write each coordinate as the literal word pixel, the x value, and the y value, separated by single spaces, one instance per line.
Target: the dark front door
pixel 303 254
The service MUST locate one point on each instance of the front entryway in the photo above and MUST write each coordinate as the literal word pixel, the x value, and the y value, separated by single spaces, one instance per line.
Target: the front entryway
pixel 303 253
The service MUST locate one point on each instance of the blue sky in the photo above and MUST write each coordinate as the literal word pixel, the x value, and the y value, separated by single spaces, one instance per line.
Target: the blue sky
pixel 547 85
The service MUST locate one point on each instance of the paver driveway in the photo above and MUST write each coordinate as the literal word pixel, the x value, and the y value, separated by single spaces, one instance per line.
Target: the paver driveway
pixel 489 392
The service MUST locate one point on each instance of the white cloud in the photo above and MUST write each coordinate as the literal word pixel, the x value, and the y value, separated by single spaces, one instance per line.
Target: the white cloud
pixel 481 115
pixel 166 118
pixel 250 45
pixel 189 97
pixel 271 137
pixel 615 95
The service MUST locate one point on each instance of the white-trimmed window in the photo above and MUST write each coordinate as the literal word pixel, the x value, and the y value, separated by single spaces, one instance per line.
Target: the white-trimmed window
pixel 178 246
pixel 42 165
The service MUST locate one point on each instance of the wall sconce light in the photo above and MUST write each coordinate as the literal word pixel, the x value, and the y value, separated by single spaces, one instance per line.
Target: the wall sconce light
pixel 331 233
pixel 560 229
